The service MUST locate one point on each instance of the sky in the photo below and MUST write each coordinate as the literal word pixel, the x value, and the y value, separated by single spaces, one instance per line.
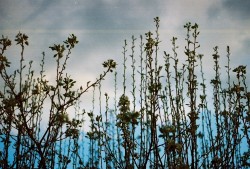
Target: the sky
pixel 101 27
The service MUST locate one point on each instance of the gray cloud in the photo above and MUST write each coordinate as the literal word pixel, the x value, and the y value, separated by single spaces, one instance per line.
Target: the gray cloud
pixel 102 25
pixel 79 14
pixel 238 8
pixel 39 8
pixel 230 10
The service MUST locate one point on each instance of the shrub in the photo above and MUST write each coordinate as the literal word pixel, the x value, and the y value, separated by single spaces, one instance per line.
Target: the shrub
pixel 163 119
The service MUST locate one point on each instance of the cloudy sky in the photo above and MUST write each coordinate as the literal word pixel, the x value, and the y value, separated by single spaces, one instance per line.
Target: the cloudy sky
pixel 102 25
